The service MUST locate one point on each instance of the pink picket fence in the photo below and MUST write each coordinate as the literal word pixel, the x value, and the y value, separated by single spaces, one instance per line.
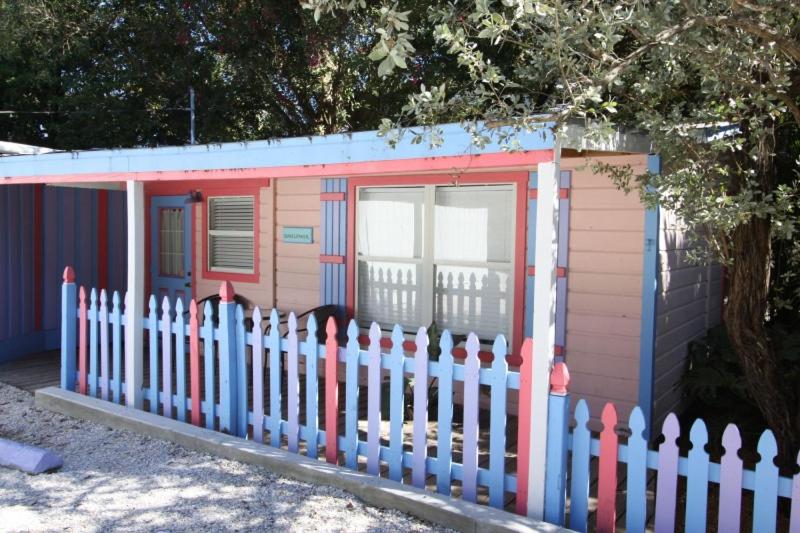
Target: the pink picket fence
pixel 245 376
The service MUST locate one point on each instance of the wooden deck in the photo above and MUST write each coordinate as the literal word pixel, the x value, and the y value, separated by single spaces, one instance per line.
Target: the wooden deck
pixel 43 370
pixel 33 372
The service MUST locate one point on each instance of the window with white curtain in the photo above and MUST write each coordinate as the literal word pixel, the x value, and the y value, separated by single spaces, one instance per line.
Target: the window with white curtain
pixel 440 254
pixel 231 230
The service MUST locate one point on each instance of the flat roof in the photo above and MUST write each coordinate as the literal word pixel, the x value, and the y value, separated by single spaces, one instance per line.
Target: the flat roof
pixel 311 156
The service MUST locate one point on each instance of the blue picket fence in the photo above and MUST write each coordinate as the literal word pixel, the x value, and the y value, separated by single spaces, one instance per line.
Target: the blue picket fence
pixel 632 461
pixel 242 366
pixel 223 371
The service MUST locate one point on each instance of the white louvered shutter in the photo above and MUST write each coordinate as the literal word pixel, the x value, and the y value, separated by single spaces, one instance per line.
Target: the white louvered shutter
pixel 231 222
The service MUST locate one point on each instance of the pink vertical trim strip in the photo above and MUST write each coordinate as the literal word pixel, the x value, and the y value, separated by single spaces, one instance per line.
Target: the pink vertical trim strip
pixel 331 394
pixel 166 353
pixel 666 488
pixel 83 343
pixel 524 429
pixel 374 401
pixel 607 483
pixel 472 368
pixel 194 363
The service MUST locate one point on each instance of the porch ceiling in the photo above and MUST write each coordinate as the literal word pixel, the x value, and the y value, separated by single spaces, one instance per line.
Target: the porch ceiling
pixel 361 153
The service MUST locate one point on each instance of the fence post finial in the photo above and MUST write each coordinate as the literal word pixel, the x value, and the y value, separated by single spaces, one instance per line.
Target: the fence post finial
pixel 559 379
pixel 226 292
pixel 69 317
pixel 69 274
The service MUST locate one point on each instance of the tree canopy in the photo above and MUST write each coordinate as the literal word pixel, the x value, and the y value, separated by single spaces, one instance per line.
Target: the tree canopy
pixel 91 73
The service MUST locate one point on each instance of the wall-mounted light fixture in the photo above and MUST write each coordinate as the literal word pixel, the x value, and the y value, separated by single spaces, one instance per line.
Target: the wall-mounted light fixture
pixel 193 197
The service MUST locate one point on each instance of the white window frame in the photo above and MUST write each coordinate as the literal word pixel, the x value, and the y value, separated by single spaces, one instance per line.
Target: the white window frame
pixel 230 233
pixel 427 282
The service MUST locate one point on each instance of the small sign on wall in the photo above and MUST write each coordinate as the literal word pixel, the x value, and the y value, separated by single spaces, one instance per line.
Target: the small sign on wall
pixel 297 235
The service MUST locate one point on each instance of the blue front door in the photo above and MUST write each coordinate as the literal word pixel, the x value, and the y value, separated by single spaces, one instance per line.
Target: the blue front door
pixel 171 249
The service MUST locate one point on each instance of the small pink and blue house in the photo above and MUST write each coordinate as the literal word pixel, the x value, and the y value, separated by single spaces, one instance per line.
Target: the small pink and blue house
pixel 529 243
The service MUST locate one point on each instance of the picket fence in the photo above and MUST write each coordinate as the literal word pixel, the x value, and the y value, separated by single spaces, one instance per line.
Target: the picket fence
pixel 217 397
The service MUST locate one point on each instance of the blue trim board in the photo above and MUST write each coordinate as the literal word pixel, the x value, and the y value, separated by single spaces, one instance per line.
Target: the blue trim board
pixel 530 256
pixel 564 182
pixel 297 151
pixel 647 336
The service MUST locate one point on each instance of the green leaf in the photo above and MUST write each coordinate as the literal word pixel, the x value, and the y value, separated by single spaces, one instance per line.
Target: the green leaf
pixel 378 52
pixel 386 67
pixel 397 58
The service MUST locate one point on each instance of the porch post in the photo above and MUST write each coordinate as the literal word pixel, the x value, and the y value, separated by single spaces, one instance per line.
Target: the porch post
pixel 134 300
pixel 544 330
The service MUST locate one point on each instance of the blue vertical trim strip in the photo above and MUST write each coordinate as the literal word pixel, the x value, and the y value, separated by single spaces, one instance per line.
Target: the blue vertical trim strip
pixel 561 311
pixel 329 227
pixel 321 237
pixel 334 244
pixel 647 336
pixel 562 260
pixel 563 220
pixel 342 248
pixel 333 241
pixel 530 254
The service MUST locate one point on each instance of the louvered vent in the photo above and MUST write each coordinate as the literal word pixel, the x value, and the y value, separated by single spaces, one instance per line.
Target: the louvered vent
pixel 230 233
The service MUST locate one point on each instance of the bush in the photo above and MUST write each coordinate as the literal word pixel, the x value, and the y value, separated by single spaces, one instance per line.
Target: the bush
pixel 714 384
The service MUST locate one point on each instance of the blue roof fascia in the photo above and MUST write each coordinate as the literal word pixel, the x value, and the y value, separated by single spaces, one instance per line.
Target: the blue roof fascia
pixel 296 151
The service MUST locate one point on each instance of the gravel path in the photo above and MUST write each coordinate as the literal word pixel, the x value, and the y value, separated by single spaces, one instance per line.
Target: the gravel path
pixel 118 480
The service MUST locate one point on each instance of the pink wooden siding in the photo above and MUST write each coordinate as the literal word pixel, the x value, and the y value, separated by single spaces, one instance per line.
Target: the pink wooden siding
pixel 688 304
pixel 297 265
pixel 260 293
pixel 604 299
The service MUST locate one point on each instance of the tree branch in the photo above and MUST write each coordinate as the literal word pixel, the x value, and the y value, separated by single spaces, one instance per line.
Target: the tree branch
pixel 758 29
pixel 659 39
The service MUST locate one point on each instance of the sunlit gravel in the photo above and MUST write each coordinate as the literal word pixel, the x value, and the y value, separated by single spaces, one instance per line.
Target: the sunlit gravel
pixel 118 480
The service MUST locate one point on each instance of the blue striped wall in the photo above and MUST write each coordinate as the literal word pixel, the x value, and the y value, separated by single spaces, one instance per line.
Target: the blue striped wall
pixel 69 225
pixel 17 283
pixel 117 241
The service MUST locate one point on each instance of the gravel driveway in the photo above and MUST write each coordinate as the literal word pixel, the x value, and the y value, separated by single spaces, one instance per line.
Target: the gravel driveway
pixel 117 480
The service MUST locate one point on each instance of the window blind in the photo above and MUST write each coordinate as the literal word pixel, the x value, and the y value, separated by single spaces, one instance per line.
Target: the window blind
pixel 231 222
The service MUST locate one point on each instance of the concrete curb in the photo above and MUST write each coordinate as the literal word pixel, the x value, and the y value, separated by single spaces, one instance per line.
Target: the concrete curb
pixel 448 512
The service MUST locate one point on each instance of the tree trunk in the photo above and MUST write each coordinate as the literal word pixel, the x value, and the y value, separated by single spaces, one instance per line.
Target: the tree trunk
pixel 745 313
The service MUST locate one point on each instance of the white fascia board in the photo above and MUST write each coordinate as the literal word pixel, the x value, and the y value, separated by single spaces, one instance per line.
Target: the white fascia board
pixel 573 136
